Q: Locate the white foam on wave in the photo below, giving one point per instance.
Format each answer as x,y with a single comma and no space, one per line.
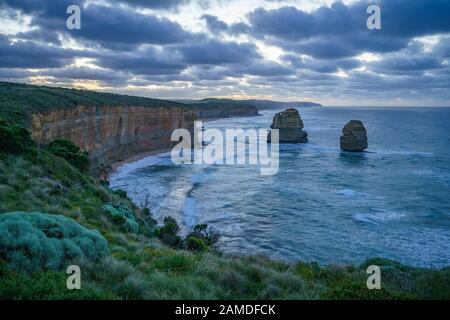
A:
404,153
189,212
356,194
378,216
351,193
127,168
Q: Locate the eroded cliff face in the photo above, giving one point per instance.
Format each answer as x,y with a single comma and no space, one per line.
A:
113,134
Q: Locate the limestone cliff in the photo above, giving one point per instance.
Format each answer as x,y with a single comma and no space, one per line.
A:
112,134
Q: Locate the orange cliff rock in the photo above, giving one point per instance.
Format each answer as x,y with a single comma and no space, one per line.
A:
112,134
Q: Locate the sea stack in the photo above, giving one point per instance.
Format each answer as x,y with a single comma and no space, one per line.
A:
290,125
354,137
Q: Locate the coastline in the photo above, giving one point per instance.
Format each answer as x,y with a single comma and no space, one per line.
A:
137,157
142,155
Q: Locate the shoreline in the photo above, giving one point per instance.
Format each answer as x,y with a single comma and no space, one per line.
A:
137,157
142,155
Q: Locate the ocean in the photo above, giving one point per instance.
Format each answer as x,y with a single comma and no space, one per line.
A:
324,205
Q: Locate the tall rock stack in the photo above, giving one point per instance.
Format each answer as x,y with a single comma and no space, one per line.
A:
290,125
354,137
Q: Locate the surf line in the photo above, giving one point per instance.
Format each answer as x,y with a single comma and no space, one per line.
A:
211,146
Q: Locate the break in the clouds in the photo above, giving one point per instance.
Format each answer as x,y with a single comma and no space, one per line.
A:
283,50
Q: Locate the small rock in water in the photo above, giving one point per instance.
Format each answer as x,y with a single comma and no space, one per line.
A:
290,125
354,137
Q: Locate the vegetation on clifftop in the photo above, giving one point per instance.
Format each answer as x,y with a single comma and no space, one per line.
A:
19,101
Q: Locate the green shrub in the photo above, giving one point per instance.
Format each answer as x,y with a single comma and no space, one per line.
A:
357,290
168,232
174,263
383,262
123,216
68,150
147,213
193,243
13,138
202,238
36,241
121,193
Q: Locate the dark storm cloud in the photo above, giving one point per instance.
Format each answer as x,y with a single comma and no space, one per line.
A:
340,30
114,27
152,4
72,72
401,18
212,51
214,24
322,66
148,61
41,36
405,64
217,26
376,83
172,60
26,54
265,69
442,48
49,9
11,74
337,48
111,27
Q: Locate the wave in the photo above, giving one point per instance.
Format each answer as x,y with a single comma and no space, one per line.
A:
189,212
127,168
351,193
378,216
404,153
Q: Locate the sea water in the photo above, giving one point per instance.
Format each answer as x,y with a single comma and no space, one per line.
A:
324,205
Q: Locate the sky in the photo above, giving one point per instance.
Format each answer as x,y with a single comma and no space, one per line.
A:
284,50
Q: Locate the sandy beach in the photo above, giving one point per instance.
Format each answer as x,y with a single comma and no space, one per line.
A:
138,157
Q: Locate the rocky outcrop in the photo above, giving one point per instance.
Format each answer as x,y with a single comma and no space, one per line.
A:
290,126
354,137
113,134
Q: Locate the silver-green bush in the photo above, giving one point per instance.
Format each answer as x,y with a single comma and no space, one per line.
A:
36,241
123,216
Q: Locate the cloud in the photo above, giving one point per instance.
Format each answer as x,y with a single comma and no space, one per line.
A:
153,4
115,27
217,52
86,73
217,26
108,26
340,30
26,54
402,64
321,66
442,48
147,61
